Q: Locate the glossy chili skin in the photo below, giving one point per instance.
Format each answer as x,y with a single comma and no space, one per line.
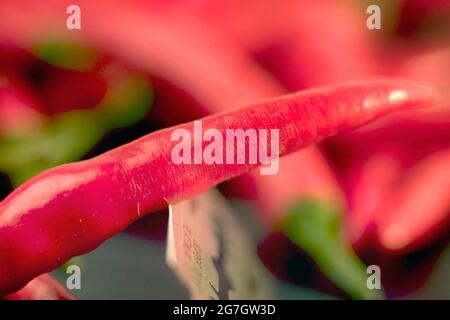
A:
71,209
234,79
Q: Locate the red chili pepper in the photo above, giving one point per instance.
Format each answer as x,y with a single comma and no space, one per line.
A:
428,63
372,167
57,90
71,209
287,39
369,183
66,90
281,45
18,111
226,65
418,209
43,287
205,52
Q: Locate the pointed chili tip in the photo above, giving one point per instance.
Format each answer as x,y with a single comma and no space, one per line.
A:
398,93
381,96
417,95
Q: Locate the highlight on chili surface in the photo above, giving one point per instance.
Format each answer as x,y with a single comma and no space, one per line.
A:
224,150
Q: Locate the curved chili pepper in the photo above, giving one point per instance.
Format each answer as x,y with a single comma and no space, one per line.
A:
279,41
66,136
59,90
373,166
18,113
153,52
428,64
224,90
43,287
420,207
71,209
370,184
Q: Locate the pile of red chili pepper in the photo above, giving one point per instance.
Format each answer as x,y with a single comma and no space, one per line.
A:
363,116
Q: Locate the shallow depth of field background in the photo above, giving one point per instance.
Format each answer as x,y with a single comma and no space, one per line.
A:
137,66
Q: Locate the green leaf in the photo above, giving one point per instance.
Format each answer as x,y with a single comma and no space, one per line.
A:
315,227
68,136
66,54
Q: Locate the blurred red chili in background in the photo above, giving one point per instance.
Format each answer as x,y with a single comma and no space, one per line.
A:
41,288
